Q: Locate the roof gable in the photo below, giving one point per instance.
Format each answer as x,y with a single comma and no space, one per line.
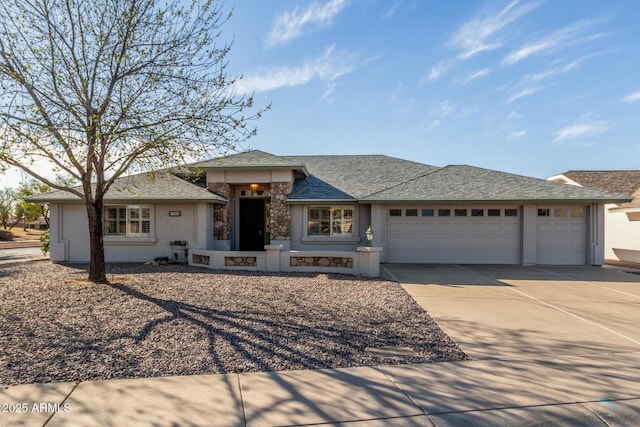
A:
249,160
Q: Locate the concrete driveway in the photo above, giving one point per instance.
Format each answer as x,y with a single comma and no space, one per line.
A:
503,312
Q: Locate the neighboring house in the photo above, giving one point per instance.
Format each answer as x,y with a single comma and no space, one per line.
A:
266,212
621,220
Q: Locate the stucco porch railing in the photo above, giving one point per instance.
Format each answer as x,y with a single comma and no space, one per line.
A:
364,262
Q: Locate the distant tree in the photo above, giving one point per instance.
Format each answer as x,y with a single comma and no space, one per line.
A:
29,211
100,88
7,204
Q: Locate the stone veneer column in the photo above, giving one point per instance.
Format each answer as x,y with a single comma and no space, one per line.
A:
280,211
221,213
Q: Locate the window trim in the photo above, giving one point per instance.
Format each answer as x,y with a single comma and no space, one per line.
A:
128,236
354,237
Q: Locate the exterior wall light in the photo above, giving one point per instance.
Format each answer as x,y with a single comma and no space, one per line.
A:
369,234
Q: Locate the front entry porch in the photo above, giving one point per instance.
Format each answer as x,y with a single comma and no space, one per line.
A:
364,262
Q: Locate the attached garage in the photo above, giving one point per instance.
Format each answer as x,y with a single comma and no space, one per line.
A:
562,235
454,235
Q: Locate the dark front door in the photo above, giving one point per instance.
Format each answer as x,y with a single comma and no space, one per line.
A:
252,222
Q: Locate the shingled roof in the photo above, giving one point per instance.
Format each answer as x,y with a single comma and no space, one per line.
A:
254,159
617,181
461,183
384,179
622,182
146,187
352,176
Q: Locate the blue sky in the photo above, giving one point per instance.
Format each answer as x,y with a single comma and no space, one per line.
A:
529,87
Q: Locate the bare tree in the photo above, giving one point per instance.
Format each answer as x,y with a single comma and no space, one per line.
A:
99,88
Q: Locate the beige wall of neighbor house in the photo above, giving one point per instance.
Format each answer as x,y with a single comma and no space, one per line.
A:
622,238
191,222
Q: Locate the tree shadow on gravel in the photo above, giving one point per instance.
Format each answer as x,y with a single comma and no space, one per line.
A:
263,344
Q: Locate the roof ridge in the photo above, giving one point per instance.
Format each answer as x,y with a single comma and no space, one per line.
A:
436,169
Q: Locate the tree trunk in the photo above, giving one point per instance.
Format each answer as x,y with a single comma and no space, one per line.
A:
97,272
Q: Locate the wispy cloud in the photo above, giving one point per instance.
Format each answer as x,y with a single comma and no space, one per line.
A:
479,35
391,10
327,95
522,93
561,39
477,75
632,97
518,134
437,71
292,24
551,72
582,129
327,67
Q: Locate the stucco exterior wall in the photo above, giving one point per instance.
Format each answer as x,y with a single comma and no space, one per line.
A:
622,235
70,236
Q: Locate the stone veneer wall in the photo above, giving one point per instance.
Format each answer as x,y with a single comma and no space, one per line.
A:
240,261
280,211
221,220
320,261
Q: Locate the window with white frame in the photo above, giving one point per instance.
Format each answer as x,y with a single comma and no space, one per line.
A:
127,220
330,221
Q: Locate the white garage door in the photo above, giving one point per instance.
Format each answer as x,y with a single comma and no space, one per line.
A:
562,235
454,235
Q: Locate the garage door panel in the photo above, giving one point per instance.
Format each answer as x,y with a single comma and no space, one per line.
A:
395,227
428,227
562,240
411,227
444,227
464,240
460,227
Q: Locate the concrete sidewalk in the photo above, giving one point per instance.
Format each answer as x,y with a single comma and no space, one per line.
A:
575,390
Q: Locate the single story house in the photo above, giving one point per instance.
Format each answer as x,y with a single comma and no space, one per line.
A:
260,211
621,220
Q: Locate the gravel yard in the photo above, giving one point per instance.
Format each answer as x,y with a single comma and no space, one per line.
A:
179,320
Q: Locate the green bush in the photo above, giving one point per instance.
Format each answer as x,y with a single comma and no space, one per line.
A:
44,239
6,235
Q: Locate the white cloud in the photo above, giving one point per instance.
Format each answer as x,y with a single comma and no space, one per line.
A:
551,72
632,97
476,75
443,109
518,134
522,93
391,10
582,129
563,38
328,66
477,35
437,71
292,24
326,96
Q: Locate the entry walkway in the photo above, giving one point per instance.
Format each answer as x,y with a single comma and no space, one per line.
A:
576,390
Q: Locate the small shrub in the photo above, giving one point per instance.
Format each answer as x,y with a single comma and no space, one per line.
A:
44,239
6,235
